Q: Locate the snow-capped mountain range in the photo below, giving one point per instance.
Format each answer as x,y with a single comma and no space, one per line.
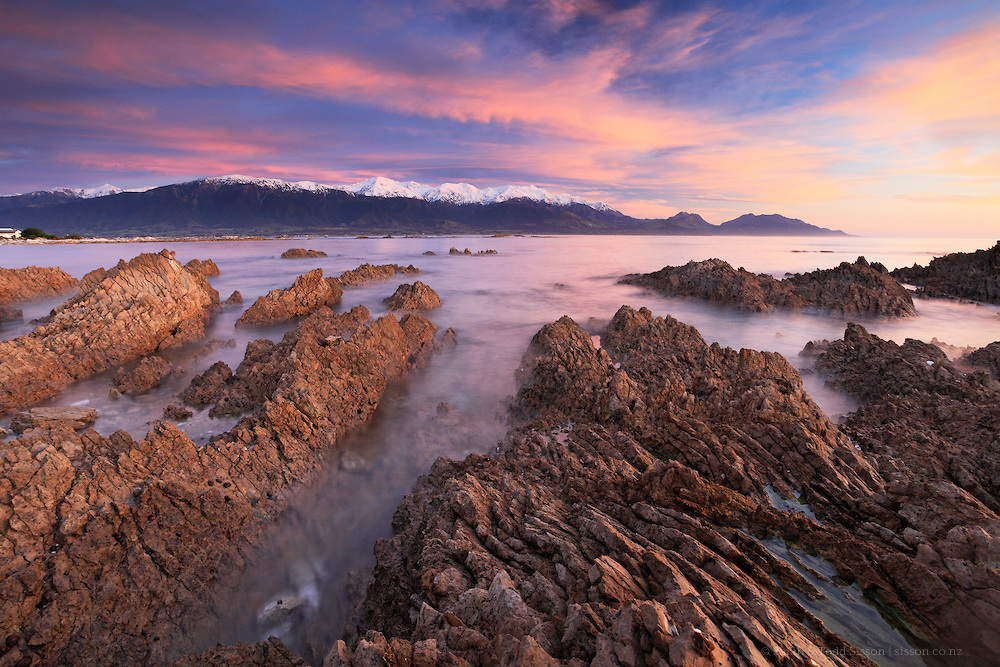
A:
453,193
379,186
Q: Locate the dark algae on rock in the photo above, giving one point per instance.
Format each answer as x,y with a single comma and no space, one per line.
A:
850,289
961,275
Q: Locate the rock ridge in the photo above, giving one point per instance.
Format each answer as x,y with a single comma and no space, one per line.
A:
857,288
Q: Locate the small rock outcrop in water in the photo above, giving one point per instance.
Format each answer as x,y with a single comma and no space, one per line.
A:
962,275
110,547
301,253
234,299
146,305
848,289
417,296
148,373
34,282
205,269
616,523
10,314
309,292
367,273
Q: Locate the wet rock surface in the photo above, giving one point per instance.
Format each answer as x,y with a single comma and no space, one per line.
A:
857,288
618,522
146,305
309,292
417,296
367,273
34,282
933,431
962,275
110,546
148,373
301,253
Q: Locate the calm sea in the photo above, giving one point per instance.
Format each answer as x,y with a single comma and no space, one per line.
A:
320,550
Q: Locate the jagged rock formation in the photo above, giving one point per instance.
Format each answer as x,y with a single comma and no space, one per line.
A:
616,523
205,269
34,282
962,275
148,373
148,304
309,292
234,299
455,251
301,253
109,547
367,273
417,296
934,433
987,358
848,289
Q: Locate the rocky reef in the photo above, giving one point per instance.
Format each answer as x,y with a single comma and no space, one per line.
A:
960,275
417,296
34,282
367,273
110,546
849,289
148,304
302,253
309,292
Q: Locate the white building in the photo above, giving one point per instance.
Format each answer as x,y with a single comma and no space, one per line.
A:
9,233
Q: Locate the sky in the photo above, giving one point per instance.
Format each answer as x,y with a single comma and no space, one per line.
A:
878,117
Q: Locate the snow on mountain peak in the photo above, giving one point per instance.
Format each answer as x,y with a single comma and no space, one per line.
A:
377,186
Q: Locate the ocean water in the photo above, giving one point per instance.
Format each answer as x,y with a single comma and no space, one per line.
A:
317,554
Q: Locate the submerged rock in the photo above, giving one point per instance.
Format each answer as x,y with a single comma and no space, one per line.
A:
148,373
301,253
34,282
146,305
110,547
309,292
417,296
10,314
848,289
962,275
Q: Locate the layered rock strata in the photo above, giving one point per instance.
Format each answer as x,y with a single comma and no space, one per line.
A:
146,305
309,292
34,282
417,296
848,289
962,275
110,547
618,524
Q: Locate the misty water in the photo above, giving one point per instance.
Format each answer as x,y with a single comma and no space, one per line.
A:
320,550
